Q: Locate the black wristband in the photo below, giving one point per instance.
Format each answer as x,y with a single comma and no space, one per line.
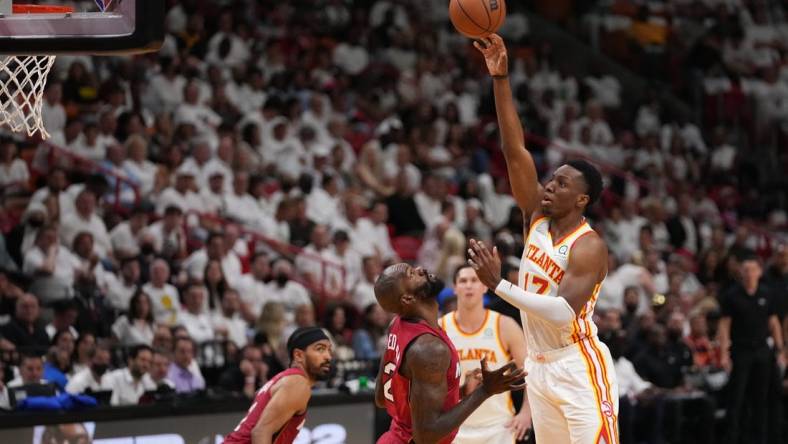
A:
505,76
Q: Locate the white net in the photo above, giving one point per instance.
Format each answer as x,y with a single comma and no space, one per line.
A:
22,82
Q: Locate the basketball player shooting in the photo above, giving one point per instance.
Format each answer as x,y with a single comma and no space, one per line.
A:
419,378
279,408
572,387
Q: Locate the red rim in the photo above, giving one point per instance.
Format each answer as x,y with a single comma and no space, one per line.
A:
41,9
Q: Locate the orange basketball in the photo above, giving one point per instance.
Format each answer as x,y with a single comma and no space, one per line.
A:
477,18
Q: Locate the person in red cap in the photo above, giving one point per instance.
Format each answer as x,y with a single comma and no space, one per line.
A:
279,408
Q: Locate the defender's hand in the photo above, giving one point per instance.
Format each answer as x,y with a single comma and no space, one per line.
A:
495,56
502,380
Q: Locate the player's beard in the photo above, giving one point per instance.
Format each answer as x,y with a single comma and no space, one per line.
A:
320,371
431,288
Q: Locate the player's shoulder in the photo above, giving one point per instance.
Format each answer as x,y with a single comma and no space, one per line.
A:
590,241
428,352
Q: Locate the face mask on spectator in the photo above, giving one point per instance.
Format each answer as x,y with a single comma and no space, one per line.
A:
147,249
36,222
282,279
99,369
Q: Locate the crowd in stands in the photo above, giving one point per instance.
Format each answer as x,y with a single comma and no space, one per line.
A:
257,174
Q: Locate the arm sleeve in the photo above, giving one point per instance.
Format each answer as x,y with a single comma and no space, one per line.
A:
554,310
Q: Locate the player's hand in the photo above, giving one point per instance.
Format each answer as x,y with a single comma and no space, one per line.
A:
520,424
494,52
473,379
503,379
487,264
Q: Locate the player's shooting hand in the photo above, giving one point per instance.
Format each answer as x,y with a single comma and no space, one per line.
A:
487,264
506,378
494,52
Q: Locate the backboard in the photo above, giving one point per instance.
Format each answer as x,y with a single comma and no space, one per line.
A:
126,26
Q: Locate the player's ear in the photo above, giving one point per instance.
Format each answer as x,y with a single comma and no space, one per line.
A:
407,298
583,200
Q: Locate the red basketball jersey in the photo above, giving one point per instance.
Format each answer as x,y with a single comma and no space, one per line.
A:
286,435
396,387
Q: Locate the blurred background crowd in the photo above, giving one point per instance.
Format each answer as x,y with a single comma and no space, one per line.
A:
198,204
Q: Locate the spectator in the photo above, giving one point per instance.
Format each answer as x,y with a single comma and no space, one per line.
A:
194,318
304,317
120,291
138,165
130,383
65,317
227,321
402,209
248,375
286,289
164,296
271,338
337,323
13,171
83,351
127,235
368,340
90,378
705,353
52,266
57,365
162,338
22,238
160,368
215,285
182,195
136,327
167,236
31,371
85,219
216,249
25,330
348,259
315,260
5,399
364,293
254,288
184,372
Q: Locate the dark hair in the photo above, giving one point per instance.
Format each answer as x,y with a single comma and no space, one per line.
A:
57,336
460,268
134,312
591,176
29,355
137,349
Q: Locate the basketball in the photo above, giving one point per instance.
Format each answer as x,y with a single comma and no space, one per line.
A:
477,18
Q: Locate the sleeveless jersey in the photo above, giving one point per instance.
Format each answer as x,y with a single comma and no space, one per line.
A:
396,387
472,347
542,269
286,435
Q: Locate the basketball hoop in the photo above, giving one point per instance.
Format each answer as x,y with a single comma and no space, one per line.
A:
23,79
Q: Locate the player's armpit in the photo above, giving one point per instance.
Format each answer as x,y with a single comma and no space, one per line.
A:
290,398
587,268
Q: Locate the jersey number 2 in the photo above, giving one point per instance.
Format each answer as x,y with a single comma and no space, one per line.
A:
388,369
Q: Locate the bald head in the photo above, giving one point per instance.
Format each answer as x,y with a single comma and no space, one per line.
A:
389,288
402,289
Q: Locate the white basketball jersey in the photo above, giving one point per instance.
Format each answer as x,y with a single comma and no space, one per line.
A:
542,268
472,347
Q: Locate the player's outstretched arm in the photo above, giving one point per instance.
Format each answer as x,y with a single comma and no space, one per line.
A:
427,361
526,189
290,398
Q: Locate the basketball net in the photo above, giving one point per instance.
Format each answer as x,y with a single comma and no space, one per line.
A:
22,82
